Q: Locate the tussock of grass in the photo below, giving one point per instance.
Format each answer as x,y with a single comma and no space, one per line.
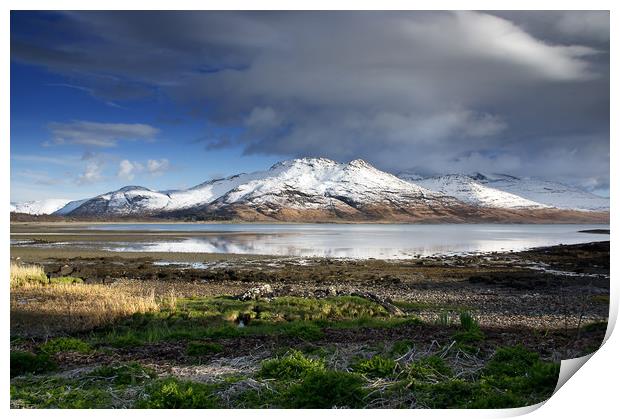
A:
43,310
28,363
65,344
469,331
292,366
326,389
26,274
377,367
171,393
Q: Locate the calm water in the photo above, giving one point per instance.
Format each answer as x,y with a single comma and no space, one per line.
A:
394,241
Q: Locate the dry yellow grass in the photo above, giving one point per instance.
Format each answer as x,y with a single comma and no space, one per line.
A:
24,274
47,310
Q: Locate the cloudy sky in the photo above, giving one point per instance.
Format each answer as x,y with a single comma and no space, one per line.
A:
100,100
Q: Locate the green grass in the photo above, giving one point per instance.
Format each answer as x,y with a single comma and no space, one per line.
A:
28,363
325,389
401,347
65,344
293,378
59,393
377,367
469,332
431,368
171,393
66,280
292,366
514,377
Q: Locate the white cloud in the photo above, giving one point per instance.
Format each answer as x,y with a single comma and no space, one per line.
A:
92,173
98,134
481,35
157,167
127,169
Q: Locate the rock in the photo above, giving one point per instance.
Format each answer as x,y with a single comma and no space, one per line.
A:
66,270
255,293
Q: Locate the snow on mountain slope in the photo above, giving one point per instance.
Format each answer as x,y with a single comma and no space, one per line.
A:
313,183
466,189
545,192
45,206
208,191
318,188
66,209
130,200
301,184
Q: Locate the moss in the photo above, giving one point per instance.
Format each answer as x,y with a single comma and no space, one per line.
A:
66,280
28,363
203,348
171,393
326,389
65,344
377,366
292,366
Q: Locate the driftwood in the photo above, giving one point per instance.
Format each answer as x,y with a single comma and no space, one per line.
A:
386,303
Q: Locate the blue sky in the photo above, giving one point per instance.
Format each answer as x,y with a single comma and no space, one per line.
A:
100,100
41,169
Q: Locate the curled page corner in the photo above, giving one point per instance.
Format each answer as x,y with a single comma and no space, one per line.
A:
568,368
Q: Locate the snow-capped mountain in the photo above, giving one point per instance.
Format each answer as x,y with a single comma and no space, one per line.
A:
466,189
302,185
545,192
511,192
43,207
318,189
70,206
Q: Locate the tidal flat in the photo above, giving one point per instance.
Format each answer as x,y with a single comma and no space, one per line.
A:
239,330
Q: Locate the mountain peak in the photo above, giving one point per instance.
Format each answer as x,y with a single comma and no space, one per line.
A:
305,161
360,163
133,188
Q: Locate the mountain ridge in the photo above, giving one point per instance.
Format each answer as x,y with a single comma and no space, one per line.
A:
320,189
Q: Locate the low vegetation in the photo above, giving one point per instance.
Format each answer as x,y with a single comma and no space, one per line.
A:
27,274
301,372
292,366
48,310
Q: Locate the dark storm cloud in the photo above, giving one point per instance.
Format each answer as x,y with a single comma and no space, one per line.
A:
519,92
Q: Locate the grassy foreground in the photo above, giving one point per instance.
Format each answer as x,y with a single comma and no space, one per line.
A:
106,347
